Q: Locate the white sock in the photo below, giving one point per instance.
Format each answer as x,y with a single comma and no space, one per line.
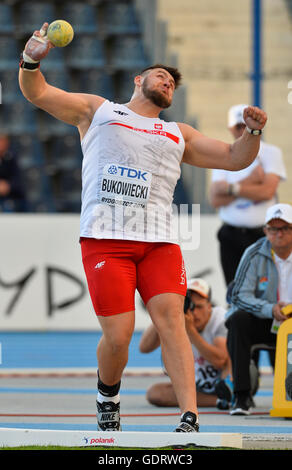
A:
101,398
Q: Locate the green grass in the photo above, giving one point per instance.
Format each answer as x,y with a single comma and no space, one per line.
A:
113,448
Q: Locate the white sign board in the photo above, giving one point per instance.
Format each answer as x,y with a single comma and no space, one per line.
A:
42,282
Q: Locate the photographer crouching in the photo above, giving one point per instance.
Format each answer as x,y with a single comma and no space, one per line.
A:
207,333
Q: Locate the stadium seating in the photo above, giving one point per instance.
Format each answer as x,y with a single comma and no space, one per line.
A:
96,82
30,152
102,59
55,60
17,118
126,86
6,19
49,126
57,77
10,52
31,15
120,18
9,86
31,160
69,201
127,53
83,17
39,190
65,153
86,53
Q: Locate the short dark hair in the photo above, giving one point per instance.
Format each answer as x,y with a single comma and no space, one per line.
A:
173,71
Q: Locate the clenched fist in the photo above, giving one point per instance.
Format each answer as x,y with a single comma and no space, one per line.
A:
254,117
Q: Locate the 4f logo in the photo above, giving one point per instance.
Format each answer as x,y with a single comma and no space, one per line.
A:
158,126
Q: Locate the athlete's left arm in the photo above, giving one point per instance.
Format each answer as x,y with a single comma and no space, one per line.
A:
206,152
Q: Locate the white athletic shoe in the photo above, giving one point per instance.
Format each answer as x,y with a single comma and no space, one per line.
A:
188,423
108,416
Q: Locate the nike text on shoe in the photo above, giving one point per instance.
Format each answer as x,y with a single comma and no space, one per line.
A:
108,416
188,423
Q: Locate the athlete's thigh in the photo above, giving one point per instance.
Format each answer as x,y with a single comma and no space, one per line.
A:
161,271
111,276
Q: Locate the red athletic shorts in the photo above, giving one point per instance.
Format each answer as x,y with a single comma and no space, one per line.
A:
116,268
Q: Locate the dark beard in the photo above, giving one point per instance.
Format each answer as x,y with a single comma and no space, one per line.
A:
155,96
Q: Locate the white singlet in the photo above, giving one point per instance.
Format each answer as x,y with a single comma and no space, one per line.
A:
130,169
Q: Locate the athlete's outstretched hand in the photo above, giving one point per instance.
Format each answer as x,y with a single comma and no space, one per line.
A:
254,117
38,46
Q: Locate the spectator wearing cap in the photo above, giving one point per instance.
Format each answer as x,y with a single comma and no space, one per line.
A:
262,287
243,197
207,333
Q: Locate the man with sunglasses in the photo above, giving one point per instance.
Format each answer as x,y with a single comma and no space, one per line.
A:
207,333
242,197
262,288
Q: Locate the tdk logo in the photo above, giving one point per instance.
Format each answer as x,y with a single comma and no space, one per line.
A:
112,170
127,172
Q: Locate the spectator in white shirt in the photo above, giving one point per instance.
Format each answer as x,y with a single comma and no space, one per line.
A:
243,197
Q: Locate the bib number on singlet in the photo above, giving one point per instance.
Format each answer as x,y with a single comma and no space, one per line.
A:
206,377
126,186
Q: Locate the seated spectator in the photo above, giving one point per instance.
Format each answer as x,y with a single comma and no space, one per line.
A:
262,287
207,333
12,196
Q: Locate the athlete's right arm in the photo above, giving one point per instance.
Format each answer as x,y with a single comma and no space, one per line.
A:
76,109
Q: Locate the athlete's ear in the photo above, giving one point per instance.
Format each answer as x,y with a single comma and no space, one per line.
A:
138,80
